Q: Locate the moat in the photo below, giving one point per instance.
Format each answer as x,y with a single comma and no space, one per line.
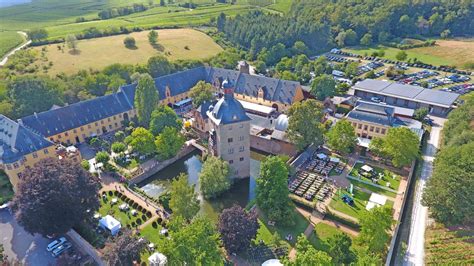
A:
240,193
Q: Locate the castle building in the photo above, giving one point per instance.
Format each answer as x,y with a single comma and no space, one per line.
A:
229,132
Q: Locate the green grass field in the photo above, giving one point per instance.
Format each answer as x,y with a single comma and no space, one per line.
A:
9,40
100,52
388,176
281,6
6,190
374,189
360,201
446,52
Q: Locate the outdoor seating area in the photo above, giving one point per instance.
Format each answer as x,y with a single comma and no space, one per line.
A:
375,175
310,186
322,164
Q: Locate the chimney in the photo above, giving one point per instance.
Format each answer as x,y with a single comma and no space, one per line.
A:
244,67
228,89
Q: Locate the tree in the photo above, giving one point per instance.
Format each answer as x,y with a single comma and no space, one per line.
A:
119,136
351,37
340,249
85,164
159,66
168,143
214,177
341,39
374,229
402,145
366,40
304,125
351,69
183,200
272,191
129,42
306,254
447,191
401,55
237,228
370,75
342,137
445,34
146,99
125,250
201,92
153,37
142,141
196,243
30,94
420,113
102,157
37,34
162,3
71,42
53,196
163,117
323,86
118,147
376,147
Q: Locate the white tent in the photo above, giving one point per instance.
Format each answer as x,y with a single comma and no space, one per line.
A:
157,259
335,160
367,168
272,262
321,156
110,223
376,200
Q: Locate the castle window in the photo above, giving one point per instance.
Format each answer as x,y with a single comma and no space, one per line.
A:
229,140
115,118
59,136
365,127
96,123
45,151
101,122
89,126
9,167
377,130
35,155
231,161
241,159
241,149
15,165
231,150
383,131
74,131
359,126
82,128
66,134
371,128
108,119
241,138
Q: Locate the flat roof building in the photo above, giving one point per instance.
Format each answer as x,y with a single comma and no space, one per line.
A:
414,97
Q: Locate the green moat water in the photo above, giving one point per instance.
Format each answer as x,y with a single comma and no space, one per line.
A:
240,193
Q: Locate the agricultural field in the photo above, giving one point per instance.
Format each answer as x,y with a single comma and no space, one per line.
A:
457,53
281,6
449,246
9,40
100,52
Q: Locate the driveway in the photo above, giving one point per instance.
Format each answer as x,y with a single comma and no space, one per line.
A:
22,246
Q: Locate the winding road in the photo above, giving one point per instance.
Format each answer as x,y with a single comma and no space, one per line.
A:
416,241
5,58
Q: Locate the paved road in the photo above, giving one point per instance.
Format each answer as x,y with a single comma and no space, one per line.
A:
416,241
20,245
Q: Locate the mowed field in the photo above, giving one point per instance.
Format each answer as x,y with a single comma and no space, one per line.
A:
9,40
100,52
446,52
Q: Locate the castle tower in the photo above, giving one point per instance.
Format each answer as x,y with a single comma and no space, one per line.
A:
229,132
243,67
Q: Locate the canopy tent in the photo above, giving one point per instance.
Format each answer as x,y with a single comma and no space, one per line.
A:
375,200
272,262
157,259
335,159
111,224
367,168
321,156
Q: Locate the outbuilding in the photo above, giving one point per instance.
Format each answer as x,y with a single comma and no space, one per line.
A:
110,224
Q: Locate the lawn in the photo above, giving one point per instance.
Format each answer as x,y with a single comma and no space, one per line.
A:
265,232
445,246
100,52
360,201
281,6
445,52
387,176
152,232
373,188
125,218
6,189
9,40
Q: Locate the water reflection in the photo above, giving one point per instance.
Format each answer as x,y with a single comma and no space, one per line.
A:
241,192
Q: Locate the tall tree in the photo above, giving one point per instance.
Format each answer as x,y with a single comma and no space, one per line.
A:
214,178
168,143
71,42
374,229
272,191
306,254
237,227
163,117
53,196
340,249
304,125
183,200
159,66
402,145
142,141
153,37
125,249
447,192
342,137
30,94
196,243
146,99
37,34
202,92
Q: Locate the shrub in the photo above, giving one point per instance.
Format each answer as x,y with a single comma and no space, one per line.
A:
154,224
133,224
115,192
111,193
129,42
159,220
139,221
143,217
148,214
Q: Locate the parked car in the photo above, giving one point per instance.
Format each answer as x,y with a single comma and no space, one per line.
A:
375,99
59,250
56,243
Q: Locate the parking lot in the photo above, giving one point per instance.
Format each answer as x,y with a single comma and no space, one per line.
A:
19,245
